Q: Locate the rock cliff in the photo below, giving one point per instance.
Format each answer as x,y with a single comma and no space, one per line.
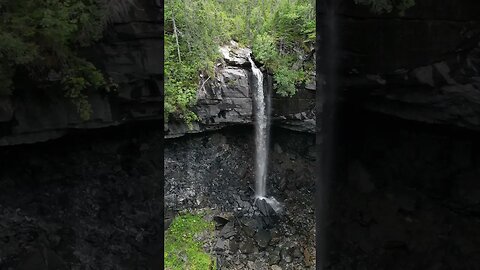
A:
227,99
130,53
424,66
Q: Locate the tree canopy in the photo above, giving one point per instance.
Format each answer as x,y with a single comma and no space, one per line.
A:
281,33
40,40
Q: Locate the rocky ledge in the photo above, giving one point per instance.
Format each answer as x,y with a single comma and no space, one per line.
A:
227,99
424,66
130,53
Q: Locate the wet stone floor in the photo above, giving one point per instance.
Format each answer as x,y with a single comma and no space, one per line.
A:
215,173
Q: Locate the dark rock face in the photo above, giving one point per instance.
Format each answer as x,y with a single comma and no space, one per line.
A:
214,171
130,53
423,67
409,198
85,201
226,100
297,112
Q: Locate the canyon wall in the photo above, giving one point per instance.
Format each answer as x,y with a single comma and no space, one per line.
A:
130,53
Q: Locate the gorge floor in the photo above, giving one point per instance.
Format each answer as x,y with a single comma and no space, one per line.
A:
214,171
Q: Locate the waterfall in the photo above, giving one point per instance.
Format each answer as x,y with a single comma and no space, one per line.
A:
261,133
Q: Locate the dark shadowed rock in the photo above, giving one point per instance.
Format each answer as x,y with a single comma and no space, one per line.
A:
220,221
263,238
359,176
264,207
42,259
233,246
247,246
129,53
422,67
228,230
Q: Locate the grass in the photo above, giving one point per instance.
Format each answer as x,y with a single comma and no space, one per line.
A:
183,251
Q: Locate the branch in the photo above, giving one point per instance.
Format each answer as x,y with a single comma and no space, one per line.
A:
203,84
176,38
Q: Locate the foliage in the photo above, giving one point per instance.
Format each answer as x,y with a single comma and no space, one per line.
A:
280,33
387,6
198,28
41,38
182,250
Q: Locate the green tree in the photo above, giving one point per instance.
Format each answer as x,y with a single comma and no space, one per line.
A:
41,38
280,32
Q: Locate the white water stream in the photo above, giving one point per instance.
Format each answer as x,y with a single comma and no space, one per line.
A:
262,134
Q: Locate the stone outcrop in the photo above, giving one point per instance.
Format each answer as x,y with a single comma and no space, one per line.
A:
226,99
130,53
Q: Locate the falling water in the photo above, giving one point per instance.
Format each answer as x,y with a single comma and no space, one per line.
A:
261,133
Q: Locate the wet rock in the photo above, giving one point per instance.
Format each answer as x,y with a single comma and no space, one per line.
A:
264,207
220,221
228,230
268,222
263,238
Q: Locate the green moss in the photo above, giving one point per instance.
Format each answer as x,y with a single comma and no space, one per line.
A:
182,250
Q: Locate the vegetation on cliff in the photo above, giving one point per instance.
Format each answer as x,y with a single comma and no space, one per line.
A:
40,40
281,34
